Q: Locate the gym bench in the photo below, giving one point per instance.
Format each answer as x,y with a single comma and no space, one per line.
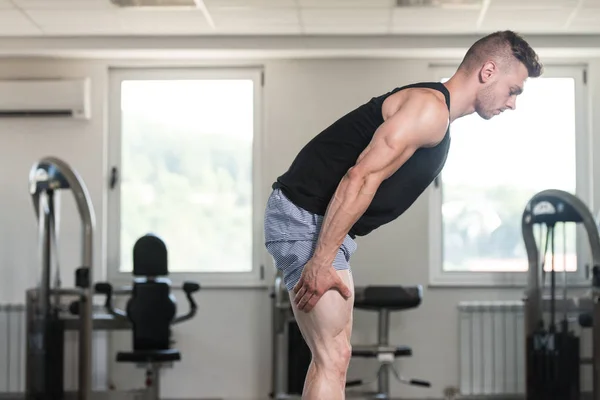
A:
384,300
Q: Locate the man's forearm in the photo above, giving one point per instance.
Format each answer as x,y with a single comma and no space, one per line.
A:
350,200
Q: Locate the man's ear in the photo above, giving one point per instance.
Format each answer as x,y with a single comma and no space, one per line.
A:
487,71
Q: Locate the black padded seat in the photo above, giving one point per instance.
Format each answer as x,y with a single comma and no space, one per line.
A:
384,300
149,356
393,298
376,351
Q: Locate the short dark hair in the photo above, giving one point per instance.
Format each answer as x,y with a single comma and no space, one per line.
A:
503,44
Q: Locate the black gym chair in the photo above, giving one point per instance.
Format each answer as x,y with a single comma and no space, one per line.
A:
384,300
151,310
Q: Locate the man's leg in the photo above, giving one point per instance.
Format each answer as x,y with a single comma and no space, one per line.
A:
327,330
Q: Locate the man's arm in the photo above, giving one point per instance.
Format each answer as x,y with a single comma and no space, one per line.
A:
421,121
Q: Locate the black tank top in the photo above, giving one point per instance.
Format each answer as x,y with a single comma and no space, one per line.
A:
314,175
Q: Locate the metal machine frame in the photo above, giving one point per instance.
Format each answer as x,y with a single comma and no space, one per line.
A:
47,177
48,310
281,315
549,207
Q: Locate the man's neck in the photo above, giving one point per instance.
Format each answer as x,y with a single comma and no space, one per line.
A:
462,97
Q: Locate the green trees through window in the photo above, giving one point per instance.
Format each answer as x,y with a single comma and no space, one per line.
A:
186,171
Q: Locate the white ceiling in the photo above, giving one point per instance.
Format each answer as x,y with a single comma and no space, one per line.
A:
294,17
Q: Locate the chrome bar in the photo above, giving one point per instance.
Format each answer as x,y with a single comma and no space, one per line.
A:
280,308
383,377
47,176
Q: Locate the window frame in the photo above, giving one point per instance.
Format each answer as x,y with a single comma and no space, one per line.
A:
256,276
584,190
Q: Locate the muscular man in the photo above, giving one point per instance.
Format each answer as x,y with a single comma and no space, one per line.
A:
363,171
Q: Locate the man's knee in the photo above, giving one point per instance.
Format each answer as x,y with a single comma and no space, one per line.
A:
345,353
334,354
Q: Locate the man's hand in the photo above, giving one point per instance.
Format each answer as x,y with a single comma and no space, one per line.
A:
315,280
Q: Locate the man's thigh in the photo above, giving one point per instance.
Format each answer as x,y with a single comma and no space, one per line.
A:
327,327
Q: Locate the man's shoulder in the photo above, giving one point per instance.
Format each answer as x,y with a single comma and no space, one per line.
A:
430,99
422,102
421,111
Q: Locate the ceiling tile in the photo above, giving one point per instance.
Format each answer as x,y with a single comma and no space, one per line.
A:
162,22
590,4
348,29
64,4
214,4
62,22
586,20
14,22
525,20
259,29
364,16
533,4
422,20
347,3
94,17
256,20
255,17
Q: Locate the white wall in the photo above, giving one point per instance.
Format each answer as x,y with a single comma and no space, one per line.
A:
226,348
24,142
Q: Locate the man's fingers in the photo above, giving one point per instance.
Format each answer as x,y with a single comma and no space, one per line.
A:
303,301
342,288
298,286
307,293
301,292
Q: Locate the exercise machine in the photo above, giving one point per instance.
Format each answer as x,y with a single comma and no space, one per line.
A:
46,322
52,309
291,355
553,351
151,311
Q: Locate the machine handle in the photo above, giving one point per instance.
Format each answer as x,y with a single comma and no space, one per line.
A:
356,382
188,288
103,288
107,289
596,276
418,382
585,320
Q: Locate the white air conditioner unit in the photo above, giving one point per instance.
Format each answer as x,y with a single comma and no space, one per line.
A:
68,98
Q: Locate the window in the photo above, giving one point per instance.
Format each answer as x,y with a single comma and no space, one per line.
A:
494,167
184,144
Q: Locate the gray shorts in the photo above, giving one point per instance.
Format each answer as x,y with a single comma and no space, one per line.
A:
291,235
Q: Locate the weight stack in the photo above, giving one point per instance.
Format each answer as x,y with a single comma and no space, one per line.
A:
45,359
553,366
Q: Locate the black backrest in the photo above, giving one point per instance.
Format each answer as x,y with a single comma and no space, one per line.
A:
150,256
151,310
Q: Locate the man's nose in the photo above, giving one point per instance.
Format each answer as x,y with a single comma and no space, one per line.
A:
512,103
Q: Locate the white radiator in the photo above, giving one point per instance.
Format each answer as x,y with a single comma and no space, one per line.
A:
12,353
492,348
